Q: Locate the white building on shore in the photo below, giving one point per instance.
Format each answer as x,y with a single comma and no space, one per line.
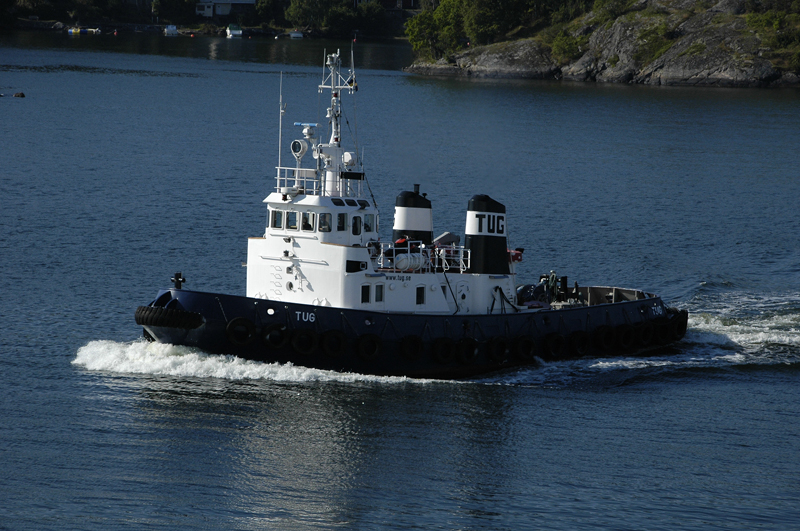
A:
223,8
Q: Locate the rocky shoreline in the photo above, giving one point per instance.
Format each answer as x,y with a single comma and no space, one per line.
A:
711,47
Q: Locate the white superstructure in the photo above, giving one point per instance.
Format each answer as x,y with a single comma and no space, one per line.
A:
321,243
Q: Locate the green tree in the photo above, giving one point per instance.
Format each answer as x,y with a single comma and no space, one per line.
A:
371,18
173,10
341,21
449,18
422,34
270,11
482,20
300,13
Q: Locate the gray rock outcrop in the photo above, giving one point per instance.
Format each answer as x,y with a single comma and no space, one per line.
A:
657,42
523,59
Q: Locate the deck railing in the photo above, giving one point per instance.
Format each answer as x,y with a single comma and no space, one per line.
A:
309,181
416,257
302,180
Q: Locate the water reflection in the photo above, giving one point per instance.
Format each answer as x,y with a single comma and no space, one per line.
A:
213,46
324,453
393,55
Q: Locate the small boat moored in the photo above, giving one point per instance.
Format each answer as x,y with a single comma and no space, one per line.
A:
324,291
84,31
233,31
294,34
170,31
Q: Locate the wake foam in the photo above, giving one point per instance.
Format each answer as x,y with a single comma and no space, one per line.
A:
749,332
726,330
160,359
765,334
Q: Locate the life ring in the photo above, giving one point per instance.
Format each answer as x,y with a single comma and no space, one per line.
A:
604,338
305,341
467,350
524,348
554,345
579,343
167,317
645,332
625,336
240,331
369,346
443,349
411,347
496,349
333,342
275,335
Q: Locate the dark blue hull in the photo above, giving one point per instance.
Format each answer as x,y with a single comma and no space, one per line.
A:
391,344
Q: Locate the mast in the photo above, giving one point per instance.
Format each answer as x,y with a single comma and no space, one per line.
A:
280,126
334,158
337,83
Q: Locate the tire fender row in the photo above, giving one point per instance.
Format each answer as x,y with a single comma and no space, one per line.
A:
499,349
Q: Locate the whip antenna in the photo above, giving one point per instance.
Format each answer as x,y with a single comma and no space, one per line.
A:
280,125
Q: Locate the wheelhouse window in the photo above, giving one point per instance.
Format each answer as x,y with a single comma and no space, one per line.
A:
365,293
420,294
291,220
341,222
325,222
378,292
369,222
308,220
356,225
277,219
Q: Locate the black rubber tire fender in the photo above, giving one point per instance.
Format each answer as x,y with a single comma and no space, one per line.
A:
467,350
554,345
680,322
663,334
305,341
167,317
369,347
604,338
411,347
497,349
443,349
579,343
524,348
275,335
645,332
626,338
240,331
333,342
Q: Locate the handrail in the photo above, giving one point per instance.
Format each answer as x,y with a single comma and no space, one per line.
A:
303,180
310,181
412,256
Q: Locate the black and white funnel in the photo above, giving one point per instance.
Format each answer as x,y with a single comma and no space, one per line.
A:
486,236
413,218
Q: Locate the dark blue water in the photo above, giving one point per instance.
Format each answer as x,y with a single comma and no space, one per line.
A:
120,168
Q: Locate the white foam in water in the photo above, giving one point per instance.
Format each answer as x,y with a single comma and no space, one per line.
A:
734,329
739,330
749,331
142,357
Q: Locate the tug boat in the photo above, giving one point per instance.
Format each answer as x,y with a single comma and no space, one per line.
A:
324,291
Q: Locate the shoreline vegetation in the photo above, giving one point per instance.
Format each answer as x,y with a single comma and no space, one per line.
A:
728,43
317,18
